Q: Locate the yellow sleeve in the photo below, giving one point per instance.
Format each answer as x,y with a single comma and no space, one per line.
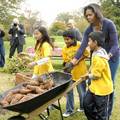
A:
97,66
86,53
36,69
64,55
47,49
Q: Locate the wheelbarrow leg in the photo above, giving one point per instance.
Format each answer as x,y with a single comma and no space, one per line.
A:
48,112
60,109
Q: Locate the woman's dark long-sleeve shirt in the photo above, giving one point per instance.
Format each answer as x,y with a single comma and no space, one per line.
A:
111,39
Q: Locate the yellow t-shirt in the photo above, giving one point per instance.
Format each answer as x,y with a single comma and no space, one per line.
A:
44,51
100,68
81,68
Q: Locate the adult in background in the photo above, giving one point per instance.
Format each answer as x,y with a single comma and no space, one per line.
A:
71,26
2,50
17,39
97,22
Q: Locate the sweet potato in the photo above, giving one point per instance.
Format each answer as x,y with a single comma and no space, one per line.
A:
27,97
49,84
39,90
29,75
16,98
42,86
52,83
15,91
4,103
32,95
25,90
40,79
32,82
8,97
32,88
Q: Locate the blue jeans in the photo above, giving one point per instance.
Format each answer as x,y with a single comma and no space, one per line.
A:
113,68
81,89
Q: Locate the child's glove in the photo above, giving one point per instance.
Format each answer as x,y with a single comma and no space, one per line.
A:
68,67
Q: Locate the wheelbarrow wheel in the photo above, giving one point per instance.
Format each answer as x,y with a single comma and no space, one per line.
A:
17,118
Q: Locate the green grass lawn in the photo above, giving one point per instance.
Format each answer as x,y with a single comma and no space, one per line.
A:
7,82
30,42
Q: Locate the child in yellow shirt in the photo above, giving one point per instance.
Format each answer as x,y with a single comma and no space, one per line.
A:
80,69
43,49
97,97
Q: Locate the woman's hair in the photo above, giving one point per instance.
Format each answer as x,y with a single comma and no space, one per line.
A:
45,37
99,37
95,9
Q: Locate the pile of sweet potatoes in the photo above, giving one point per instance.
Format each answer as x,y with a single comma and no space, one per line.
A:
26,91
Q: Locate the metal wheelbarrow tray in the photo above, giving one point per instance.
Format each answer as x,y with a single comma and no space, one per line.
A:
62,81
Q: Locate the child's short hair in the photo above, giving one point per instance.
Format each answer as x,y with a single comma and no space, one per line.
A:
97,36
69,33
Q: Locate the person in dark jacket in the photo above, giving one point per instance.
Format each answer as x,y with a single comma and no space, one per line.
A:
97,22
2,50
17,39
71,26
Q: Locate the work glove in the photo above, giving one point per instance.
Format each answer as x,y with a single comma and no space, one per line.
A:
68,67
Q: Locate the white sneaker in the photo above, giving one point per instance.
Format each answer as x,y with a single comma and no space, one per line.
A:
67,114
80,110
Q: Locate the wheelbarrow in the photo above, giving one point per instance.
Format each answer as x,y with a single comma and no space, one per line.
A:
38,104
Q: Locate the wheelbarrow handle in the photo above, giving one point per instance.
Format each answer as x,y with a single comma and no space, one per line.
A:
75,84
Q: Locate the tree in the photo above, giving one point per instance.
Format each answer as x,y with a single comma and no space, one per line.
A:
81,24
112,12
31,20
7,7
8,10
57,28
64,17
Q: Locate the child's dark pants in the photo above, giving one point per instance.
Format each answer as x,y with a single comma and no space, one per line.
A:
96,107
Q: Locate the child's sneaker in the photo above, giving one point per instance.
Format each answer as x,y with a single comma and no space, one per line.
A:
80,110
67,114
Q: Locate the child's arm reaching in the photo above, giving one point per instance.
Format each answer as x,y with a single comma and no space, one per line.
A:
69,65
39,62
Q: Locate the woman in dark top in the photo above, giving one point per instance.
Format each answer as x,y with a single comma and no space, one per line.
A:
97,22
2,51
